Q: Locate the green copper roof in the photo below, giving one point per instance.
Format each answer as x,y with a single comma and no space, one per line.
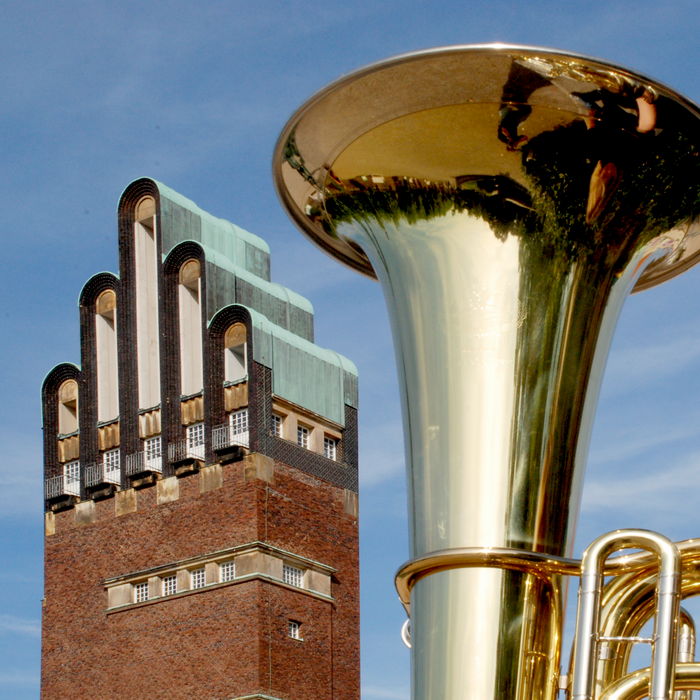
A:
320,380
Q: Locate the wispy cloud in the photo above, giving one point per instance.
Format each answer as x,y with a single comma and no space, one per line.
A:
628,369
659,491
641,438
20,625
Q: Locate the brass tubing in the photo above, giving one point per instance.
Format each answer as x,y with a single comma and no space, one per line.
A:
590,594
641,566
686,638
686,647
628,604
635,686
543,566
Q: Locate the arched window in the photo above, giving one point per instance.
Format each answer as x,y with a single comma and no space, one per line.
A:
189,292
68,407
148,350
106,336
236,361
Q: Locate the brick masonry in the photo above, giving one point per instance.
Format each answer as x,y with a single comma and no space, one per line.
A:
222,643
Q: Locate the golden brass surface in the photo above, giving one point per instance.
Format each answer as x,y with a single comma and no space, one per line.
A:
628,604
635,686
507,199
664,641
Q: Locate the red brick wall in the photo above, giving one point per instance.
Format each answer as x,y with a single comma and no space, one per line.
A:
213,644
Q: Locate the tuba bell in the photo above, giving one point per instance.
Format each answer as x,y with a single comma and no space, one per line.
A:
508,200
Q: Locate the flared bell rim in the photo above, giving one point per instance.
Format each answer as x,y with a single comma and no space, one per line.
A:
348,254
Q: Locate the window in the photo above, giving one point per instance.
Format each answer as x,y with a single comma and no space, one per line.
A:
303,436
71,478
292,576
199,578
111,461
147,336
329,448
112,472
190,328
152,453
294,630
195,441
235,359
68,407
141,592
227,571
106,342
170,585
277,425
239,422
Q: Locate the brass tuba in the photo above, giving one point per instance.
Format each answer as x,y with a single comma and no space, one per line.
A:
508,200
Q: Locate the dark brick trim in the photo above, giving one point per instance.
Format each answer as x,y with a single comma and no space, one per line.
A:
49,397
171,423
343,474
215,379
89,452
126,327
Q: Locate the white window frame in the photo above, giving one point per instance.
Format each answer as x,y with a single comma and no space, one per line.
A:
227,571
71,478
293,575
141,592
294,630
303,436
112,466
153,453
330,447
169,584
277,425
198,578
238,427
195,441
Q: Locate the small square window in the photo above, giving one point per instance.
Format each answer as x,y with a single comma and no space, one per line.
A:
303,436
199,579
141,592
276,426
294,629
330,448
227,571
170,585
292,575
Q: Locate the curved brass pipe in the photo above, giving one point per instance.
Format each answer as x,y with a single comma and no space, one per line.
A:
628,604
537,563
686,647
588,637
635,686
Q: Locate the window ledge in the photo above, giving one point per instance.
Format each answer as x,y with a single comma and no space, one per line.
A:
215,586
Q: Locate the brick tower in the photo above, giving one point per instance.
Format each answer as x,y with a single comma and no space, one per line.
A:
200,478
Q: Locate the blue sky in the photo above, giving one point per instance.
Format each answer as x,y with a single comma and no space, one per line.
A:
96,94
